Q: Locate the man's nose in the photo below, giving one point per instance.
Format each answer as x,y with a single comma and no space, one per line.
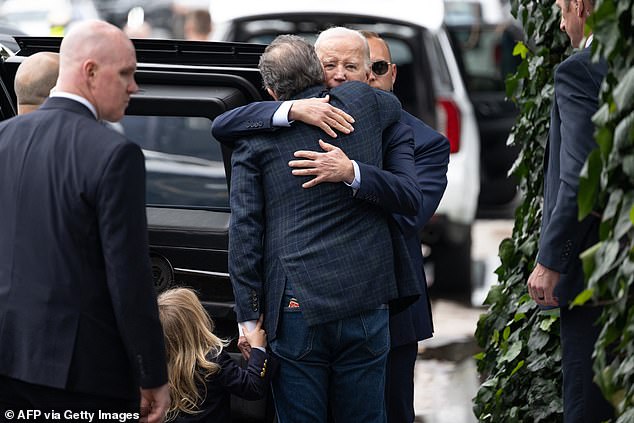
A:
133,87
340,73
562,25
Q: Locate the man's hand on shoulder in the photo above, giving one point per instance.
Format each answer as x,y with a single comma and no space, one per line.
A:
331,166
318,112
155,403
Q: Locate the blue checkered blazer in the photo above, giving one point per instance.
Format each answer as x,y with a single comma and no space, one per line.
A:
333,249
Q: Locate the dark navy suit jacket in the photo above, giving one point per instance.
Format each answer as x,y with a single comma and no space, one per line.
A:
77,306
431,156
334,250
570,141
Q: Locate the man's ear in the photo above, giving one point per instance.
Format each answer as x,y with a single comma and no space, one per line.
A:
89,69
271,93
580,8
367,75
393,74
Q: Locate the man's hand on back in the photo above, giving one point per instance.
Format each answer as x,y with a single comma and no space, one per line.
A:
318,112
331,166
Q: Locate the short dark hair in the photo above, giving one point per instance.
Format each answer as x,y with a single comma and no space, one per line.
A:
289,65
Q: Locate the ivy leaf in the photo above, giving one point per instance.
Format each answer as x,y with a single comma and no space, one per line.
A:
605,256
589,183
519,366
613,204
583,297
628,167
547,323
506,333
520,49
511,354
632,215
624,132
624,91
622,225
588,259
538,339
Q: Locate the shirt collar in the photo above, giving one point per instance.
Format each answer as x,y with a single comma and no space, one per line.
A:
76,98
589,40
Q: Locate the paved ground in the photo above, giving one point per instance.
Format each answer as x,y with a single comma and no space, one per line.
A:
446,379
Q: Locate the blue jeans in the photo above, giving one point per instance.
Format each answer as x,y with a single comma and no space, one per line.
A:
338,365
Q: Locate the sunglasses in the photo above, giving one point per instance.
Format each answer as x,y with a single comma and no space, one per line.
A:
380,67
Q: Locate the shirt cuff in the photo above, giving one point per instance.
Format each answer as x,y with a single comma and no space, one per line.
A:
260,348
280,117
356,183
250,324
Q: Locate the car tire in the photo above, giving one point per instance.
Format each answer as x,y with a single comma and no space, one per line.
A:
453,265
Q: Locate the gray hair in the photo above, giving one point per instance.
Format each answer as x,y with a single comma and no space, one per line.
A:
343,32
289,65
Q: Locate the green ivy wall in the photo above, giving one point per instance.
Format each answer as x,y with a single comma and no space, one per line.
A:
521,359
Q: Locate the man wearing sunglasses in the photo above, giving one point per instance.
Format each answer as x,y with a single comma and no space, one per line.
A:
431,156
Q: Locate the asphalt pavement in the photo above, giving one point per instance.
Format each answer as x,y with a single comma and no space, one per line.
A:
446,379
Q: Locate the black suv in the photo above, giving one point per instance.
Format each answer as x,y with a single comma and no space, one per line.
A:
183,87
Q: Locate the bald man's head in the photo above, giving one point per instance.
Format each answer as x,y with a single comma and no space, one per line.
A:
97,62
35,78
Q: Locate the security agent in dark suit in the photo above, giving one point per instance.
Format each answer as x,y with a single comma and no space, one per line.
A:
558,276
79,324
300,256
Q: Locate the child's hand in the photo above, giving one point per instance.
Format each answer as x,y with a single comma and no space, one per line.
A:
256,337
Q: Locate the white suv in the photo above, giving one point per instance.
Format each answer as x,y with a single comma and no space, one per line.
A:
429,86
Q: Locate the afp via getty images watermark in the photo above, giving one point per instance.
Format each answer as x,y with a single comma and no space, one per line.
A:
34,415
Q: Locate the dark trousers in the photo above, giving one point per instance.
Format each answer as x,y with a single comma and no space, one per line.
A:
399,386
37,403
583,401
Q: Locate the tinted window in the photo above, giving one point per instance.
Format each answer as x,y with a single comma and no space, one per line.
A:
183,161
486,53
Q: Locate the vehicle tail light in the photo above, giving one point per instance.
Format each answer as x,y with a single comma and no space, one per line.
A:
449,121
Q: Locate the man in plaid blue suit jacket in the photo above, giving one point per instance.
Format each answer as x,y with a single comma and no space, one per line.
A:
316,262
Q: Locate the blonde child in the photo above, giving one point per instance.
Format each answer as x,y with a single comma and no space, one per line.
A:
202,375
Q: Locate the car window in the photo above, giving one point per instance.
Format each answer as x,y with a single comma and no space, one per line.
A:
183,161
440,70
486,53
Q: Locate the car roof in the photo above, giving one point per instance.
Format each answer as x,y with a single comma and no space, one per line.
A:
427,13
470,12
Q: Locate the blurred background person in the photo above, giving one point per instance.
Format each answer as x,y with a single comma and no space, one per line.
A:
136,26
35,78
197,25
